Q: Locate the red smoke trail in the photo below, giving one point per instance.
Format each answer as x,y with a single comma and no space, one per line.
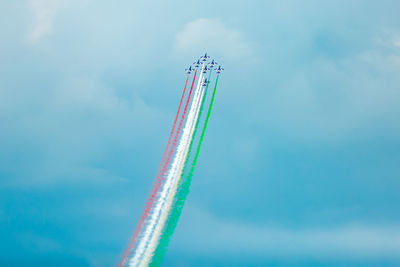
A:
161,170
172,130
179,128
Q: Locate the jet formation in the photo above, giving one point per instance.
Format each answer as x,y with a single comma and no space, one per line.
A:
168,195
208,66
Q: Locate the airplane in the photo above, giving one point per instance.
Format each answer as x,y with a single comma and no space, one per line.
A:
205,82
212,63
189,70
219,70
205,57
205,69
197,63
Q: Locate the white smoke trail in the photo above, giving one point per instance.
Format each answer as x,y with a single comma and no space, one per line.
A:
178,160
175,181
154,216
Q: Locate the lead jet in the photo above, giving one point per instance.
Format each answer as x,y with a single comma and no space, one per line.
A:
197,63
189,70
219,69
205,57
212,63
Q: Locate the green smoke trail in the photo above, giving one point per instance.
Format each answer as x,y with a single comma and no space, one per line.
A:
183,188
195,129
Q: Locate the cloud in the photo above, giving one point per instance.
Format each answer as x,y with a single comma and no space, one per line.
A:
44,12
79,122
354,240
37,242
213,36
327,98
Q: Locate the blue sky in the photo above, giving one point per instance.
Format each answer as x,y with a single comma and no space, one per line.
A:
301,161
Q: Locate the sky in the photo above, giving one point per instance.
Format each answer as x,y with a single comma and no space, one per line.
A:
300,165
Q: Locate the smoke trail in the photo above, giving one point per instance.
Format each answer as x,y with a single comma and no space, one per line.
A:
197,124
181,195
182,150
160,173
164,194
169,202
153,218
179,128
172,130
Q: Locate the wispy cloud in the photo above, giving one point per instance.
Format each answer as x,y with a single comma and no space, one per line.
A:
213,36
334,99
44,12
353,240
93,108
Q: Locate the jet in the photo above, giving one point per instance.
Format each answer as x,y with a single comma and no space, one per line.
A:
189,70
212,63
205,69
205,57
219,69
205,82
197,63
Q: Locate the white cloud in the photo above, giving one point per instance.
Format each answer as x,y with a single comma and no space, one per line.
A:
37,243
213,36
75,125
355,240
44,12
332,100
